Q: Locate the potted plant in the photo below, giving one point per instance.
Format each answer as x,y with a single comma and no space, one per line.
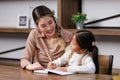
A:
79,19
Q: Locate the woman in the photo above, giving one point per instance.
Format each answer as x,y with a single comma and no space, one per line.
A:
48,40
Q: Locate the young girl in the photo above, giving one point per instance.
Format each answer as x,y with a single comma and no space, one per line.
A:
81,56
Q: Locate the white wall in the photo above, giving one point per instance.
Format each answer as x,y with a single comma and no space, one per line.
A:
98,9
106,44
10,41
10,9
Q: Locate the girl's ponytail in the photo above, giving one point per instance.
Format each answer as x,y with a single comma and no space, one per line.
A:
95,58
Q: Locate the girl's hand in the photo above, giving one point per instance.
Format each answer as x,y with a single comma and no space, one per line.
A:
51,65
34,66
62,69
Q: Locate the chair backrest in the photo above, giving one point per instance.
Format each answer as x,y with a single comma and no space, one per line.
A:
105,64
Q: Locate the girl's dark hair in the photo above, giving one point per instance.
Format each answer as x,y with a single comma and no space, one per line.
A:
85,40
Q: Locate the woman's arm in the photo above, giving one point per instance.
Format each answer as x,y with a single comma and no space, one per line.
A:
29,52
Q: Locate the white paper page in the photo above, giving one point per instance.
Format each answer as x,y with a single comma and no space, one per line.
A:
59,72
41,71
53,72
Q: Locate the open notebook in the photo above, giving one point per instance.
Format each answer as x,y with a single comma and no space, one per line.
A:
52,71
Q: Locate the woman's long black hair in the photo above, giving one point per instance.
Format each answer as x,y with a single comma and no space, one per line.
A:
85,40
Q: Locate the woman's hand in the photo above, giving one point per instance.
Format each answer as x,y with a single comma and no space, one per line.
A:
51,65
62,69
34,66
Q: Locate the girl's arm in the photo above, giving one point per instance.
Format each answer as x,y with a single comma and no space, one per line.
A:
87,67
64,58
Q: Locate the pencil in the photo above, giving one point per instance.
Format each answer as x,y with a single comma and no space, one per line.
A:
48,55
46,50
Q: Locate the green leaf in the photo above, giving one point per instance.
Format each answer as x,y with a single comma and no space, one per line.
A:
78,17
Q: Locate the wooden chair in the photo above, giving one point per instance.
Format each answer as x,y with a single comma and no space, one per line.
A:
105,64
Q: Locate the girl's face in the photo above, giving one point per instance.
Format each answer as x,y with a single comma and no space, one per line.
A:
75,47
47,26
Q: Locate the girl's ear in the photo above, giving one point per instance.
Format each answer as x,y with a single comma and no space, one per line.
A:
83,50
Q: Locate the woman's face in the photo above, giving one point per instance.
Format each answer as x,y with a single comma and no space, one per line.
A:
47,26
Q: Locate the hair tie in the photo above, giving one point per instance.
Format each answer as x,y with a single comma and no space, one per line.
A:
94,43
